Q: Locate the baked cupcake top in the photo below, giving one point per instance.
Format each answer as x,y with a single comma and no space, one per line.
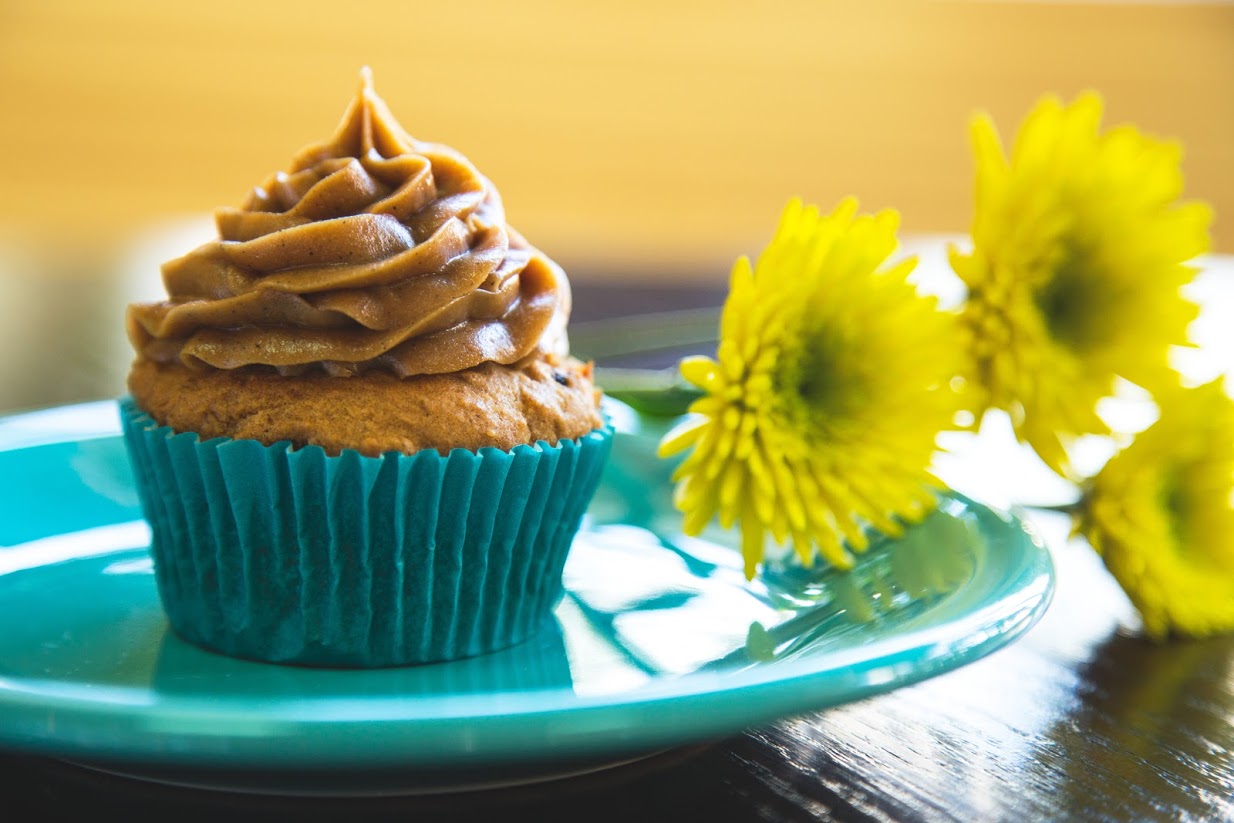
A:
373,251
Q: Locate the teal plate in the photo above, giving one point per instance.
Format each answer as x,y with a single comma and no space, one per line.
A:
659,643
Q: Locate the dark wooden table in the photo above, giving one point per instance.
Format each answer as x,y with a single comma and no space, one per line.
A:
1081,719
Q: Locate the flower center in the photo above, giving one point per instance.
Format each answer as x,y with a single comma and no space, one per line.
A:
822,384
1178,508
1077,302
1199,519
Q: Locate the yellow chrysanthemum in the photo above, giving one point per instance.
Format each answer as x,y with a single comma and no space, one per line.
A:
1161,514
1079,251
831,381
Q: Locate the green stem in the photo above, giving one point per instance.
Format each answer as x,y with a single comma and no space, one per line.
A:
659,392
1070,509
650,391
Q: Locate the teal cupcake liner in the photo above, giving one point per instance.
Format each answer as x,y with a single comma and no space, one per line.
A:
293,556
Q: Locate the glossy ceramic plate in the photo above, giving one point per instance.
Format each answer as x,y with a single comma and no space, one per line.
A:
660,641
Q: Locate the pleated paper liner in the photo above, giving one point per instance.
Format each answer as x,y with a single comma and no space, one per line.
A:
293,556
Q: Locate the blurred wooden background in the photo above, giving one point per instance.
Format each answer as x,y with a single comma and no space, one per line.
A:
637,139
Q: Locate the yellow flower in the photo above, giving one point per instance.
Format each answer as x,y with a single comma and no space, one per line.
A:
1079,251
830,384
1161,514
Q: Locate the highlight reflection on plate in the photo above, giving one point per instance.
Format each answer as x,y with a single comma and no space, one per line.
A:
659,642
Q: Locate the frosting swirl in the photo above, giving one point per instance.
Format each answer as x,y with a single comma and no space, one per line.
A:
373,251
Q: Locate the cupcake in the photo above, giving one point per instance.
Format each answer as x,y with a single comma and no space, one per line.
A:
356,429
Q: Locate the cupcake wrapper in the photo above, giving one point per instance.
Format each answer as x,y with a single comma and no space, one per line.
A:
293,556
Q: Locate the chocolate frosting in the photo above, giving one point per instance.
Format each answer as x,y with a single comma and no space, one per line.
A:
374,250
